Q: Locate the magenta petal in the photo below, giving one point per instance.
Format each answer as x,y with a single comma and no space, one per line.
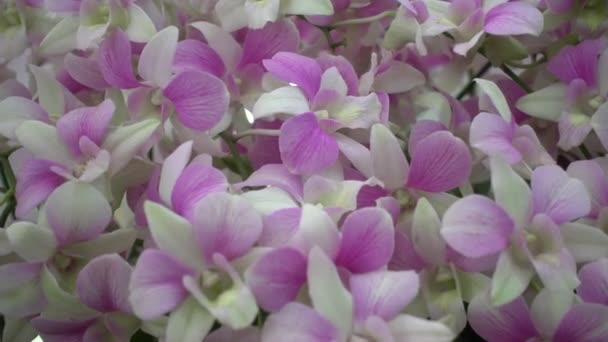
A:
35,182
594,282
114,58
195,55
293,68
200,99
103,284
90,122
557,195
85,71
507,323
440,162
367,240
577,62
560,6
15,277
61,331
280,226
492,135
405,256
421,130
276,278
305,147
476,227
280,36
383,293
156,284
196,181
226,224
514,18
584,322
299,323
345,68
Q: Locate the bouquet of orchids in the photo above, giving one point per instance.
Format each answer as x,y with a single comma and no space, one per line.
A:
303,170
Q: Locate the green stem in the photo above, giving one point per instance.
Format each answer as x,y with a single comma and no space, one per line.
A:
264,132
469,87
516,78
241,164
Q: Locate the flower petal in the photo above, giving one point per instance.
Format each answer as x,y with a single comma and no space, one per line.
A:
200,99
173,166
276,278
35,182
157,57
505,323
190,322
196,181
305,147
316,229
298,323
103,284
514,18
388,160
577,62
114,59
285,100
156,284
594,282
493,136
15,110
584,322
90,122
31,242
440,162
511,192
557,195
85,71
42,140
383,293
547,103
275,175
20,291
367,240
195,55
475,227
293,68
77,212
226,224
426,233
280,36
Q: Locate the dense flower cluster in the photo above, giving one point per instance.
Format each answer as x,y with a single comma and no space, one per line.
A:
304,170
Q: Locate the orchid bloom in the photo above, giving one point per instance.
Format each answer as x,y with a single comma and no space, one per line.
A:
578,102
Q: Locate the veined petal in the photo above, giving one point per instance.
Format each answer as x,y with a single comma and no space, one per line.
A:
140,28
577,62
35,182
439,163
200,99
276,278
514,18
114,59
275,175
497,98
505,323
172,168
157,57
90,122
475,227
77,212
196,181
511,192
103,284
356,111
221,41
398,78
195,55
20,291
549,307
156,284
584,322
285,100
85,71
383,293
585,243
126,141
305,147
367,240
511,277
493,136
293,68
280,36
594,282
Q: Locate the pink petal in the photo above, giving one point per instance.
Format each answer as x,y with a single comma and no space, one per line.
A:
196,181
195,55
405,256
114,58
280,226
305,147
560,6
226,224
594,282
157,56
35,182
593,177
298,323
514,18
85,71
492,135
345,68
156,284
12,87
439,163
421,130
200,99
584,322
475,227
103,284
557,195
275,175
90,122
225,334
297,69
61,331
507,323
383,293
276,278
280,36
367,240
17,297
577,62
